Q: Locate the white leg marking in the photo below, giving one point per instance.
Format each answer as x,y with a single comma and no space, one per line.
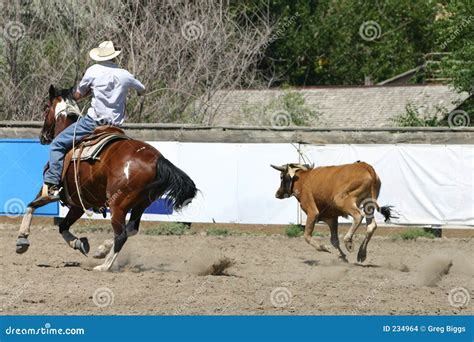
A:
26,222
109,260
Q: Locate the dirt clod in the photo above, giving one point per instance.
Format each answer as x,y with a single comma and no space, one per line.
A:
217,268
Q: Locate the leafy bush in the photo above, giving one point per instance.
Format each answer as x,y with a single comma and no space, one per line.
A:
413,118
414,233
167,228
454,34
294,104
294,230
288,109
218,232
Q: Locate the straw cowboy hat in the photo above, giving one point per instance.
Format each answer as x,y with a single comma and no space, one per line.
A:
104,52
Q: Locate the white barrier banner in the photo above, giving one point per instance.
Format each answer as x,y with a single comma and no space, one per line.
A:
427,184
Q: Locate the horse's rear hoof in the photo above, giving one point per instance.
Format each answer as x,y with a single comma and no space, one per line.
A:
22,249
132,232
343,258
22,245
104,249
349,245
82,245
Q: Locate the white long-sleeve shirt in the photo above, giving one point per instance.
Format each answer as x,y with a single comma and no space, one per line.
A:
109,84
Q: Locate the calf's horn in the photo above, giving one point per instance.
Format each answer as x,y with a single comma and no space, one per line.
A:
279,168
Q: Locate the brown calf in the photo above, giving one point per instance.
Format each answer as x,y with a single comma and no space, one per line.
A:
325,193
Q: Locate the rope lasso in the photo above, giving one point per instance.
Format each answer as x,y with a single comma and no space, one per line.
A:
74,161
175,89
76,178
305,158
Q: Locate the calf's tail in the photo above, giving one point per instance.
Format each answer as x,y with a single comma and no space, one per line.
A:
387,212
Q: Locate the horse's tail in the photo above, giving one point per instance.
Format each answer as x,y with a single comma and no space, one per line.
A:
172,182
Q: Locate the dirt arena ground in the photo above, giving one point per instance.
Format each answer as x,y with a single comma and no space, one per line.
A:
158,275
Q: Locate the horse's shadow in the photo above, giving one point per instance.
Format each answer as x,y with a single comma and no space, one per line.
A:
312,262
140,267
339,263
366,265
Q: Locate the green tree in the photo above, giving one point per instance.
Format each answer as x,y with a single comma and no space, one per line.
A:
455,30
326,44
455,36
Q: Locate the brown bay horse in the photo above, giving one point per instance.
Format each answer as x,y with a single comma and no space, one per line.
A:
129,176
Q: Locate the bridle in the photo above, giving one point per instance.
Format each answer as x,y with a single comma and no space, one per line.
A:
67,107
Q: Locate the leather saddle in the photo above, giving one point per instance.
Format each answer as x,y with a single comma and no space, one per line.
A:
90,147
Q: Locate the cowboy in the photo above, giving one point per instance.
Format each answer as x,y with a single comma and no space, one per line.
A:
109,85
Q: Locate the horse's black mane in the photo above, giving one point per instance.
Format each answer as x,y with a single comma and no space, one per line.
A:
65,93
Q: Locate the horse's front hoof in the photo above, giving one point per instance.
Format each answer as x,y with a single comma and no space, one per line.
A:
361,256
22,245
101,268
82,245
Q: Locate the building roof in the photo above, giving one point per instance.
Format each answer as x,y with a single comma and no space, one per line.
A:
338,106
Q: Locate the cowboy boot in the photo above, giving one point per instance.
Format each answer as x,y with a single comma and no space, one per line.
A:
51,191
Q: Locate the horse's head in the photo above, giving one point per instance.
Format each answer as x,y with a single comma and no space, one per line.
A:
59,112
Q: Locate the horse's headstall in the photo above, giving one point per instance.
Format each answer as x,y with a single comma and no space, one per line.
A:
67,107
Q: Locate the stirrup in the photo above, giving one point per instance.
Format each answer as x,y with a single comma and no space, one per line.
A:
51,193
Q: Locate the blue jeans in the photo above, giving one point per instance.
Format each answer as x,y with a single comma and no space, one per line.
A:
62,143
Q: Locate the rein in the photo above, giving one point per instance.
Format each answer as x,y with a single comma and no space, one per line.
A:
49,132
68,107
74,162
